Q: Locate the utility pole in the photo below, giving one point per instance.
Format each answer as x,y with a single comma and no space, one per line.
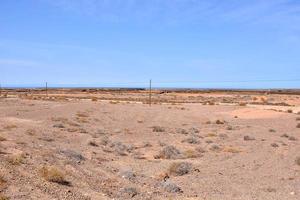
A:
150,91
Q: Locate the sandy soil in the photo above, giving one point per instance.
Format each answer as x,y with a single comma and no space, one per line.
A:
92,149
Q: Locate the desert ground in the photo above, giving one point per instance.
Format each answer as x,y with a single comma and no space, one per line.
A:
111,144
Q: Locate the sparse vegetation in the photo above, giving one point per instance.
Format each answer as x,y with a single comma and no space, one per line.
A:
297,161
2,139
17,159
52,174
248,138
191,154
93,143
2,197
169,152
191,140
231,150
30,132
220,121
180,168
10,127
158,129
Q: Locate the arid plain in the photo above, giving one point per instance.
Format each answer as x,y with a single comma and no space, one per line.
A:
111,144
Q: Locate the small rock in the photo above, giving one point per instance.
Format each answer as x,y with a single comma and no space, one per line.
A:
248,138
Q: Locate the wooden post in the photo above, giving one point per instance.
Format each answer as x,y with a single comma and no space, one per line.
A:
47,89
150,91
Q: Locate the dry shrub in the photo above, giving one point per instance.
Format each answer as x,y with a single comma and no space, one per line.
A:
94,99
298,119
242,104
180,168
191,154
297,161
211,103
2,181
220,121
114,102
2,197
231,150
10,127
82,120
52,174
290,111
81,114
59,119
298,125
93,143
169,152
16,159
211,135
30,132
191,140
158,129
2,139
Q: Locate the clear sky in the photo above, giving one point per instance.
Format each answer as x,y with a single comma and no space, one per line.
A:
177,43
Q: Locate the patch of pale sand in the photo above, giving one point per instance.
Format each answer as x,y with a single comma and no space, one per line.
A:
16,120
252,113
295,109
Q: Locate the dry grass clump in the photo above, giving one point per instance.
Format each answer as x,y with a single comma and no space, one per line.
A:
2,139
93,143
248,138
114,102
191,140
231,150
82,114
180,168
211,135
242,104
2,197
94,99
169,152
2,181
297,161
17,159
10,127
158,129
298,125
220,121
52,174
191,154
30,132
298,119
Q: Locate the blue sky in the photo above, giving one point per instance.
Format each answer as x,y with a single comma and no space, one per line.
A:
177,43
